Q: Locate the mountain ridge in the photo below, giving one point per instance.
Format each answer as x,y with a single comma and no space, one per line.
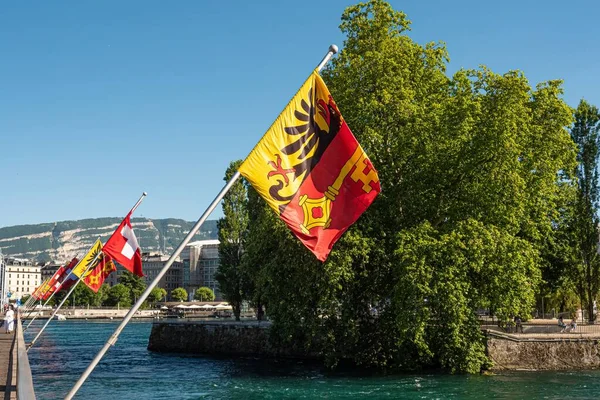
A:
62,240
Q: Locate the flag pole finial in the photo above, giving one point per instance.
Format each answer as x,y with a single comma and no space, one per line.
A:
138,202
332,50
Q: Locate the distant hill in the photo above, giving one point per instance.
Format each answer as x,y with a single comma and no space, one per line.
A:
61,241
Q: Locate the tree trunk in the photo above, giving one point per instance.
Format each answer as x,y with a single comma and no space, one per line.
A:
237,309
260,313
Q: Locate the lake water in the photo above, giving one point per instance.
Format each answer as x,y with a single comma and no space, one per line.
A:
130,371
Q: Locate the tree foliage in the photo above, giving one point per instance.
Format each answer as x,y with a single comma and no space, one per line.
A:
204,294
475,170
179,294
119,295
584,233
232,233
157,294
135,284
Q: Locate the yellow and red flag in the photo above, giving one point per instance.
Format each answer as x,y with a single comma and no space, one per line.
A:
311,170
38,290
43,289
96,277
89,261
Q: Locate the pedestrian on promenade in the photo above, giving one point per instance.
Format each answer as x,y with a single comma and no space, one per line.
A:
9,320
561,324
518,324
572,325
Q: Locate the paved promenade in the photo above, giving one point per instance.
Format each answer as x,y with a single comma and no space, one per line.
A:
8,365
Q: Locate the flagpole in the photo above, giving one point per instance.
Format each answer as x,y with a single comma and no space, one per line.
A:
63,300
49,298
138,202
29,309
144,194
113,339
25,306
28,302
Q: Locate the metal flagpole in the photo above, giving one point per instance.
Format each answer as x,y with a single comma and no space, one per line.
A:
113,339
31,306
49,298
63,301
26,308
27,303
78,281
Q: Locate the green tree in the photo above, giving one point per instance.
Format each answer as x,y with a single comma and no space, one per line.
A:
179,294
83,296
102,294
259,242
472,168
119,295
232,232
585,221
135,284
156,295
204,294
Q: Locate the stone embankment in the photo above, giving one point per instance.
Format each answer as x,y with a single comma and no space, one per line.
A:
538,350
543,352
248,338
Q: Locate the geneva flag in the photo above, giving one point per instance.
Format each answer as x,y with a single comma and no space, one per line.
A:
96,277
123,247
89,261
311,170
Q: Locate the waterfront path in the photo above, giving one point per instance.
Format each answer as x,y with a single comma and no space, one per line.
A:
8,365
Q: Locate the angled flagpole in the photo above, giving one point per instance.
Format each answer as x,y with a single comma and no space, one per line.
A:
30,306
113,339
52,295
100,253
63,301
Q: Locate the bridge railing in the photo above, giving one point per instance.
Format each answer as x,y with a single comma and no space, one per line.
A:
24,379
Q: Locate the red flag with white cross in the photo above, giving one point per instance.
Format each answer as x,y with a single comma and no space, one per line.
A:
123,247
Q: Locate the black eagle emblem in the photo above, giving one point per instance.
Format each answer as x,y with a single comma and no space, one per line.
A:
310,136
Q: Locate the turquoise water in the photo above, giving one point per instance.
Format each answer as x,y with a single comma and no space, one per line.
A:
129,371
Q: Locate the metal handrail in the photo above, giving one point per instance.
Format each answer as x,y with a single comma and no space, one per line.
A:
24,379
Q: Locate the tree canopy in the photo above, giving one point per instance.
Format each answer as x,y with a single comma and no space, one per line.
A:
475,169
179,294
204,294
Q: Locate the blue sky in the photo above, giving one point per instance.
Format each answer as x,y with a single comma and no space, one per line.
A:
102,100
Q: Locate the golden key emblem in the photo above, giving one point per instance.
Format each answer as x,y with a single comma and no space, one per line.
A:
317,211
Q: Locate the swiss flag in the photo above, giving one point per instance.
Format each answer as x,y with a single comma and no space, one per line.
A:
123,247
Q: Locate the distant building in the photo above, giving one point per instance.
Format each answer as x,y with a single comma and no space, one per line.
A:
22,277
49,269
152,264
197,266
200,263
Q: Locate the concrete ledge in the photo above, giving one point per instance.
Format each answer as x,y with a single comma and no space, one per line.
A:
250,339
551,352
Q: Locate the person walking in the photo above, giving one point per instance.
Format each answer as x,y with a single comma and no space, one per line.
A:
9,320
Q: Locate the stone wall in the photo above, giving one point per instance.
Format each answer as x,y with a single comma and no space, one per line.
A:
508,352
543,354
218,338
